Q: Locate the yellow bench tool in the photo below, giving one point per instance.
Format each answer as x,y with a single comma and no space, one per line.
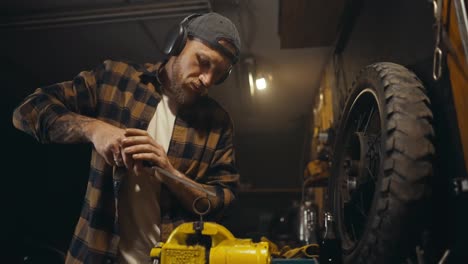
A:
207,242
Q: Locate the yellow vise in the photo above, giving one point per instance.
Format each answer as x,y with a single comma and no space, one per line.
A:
224,248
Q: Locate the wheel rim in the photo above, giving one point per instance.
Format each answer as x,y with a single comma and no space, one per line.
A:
358,167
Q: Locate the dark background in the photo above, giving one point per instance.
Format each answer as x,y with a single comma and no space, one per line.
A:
44,185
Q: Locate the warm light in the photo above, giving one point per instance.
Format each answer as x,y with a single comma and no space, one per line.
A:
251,84
261,83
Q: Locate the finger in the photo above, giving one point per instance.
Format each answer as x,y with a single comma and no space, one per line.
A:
139,168
117,155
109,158
143,148
134,140
127,159
152,158
115,148
157,175
135,132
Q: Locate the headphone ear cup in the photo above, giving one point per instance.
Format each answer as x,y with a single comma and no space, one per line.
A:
224,77
175,41
177,37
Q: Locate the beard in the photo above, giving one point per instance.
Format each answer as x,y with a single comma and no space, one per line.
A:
180,91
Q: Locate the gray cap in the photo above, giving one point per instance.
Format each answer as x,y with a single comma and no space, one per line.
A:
211,28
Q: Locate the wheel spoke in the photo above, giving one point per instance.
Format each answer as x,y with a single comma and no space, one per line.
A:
368,120
372,176
360,121
359,209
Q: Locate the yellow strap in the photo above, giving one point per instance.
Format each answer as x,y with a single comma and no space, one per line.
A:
307,251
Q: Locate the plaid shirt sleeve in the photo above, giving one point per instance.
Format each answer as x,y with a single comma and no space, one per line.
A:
40,109
222,176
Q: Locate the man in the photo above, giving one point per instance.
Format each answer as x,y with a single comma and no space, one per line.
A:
146,123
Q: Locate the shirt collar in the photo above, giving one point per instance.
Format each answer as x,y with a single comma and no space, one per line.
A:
151,74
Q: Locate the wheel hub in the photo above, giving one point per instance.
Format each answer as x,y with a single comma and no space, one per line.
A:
358,162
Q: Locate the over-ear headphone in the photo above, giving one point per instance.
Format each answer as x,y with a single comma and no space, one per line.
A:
176,39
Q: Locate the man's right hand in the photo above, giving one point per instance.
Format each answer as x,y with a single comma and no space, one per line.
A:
107,139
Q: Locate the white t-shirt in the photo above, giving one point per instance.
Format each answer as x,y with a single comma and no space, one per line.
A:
139,207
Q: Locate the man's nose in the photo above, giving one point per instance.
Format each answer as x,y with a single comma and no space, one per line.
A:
206,79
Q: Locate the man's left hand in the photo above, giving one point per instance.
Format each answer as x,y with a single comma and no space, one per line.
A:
142,147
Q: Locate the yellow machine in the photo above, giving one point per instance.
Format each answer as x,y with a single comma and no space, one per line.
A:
206,242
224,248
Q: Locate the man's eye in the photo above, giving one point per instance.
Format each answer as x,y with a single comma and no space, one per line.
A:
205,63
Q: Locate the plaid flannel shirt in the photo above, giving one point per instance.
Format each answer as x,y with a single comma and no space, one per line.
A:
126,95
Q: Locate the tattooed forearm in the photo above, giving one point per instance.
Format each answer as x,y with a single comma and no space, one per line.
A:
70,128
